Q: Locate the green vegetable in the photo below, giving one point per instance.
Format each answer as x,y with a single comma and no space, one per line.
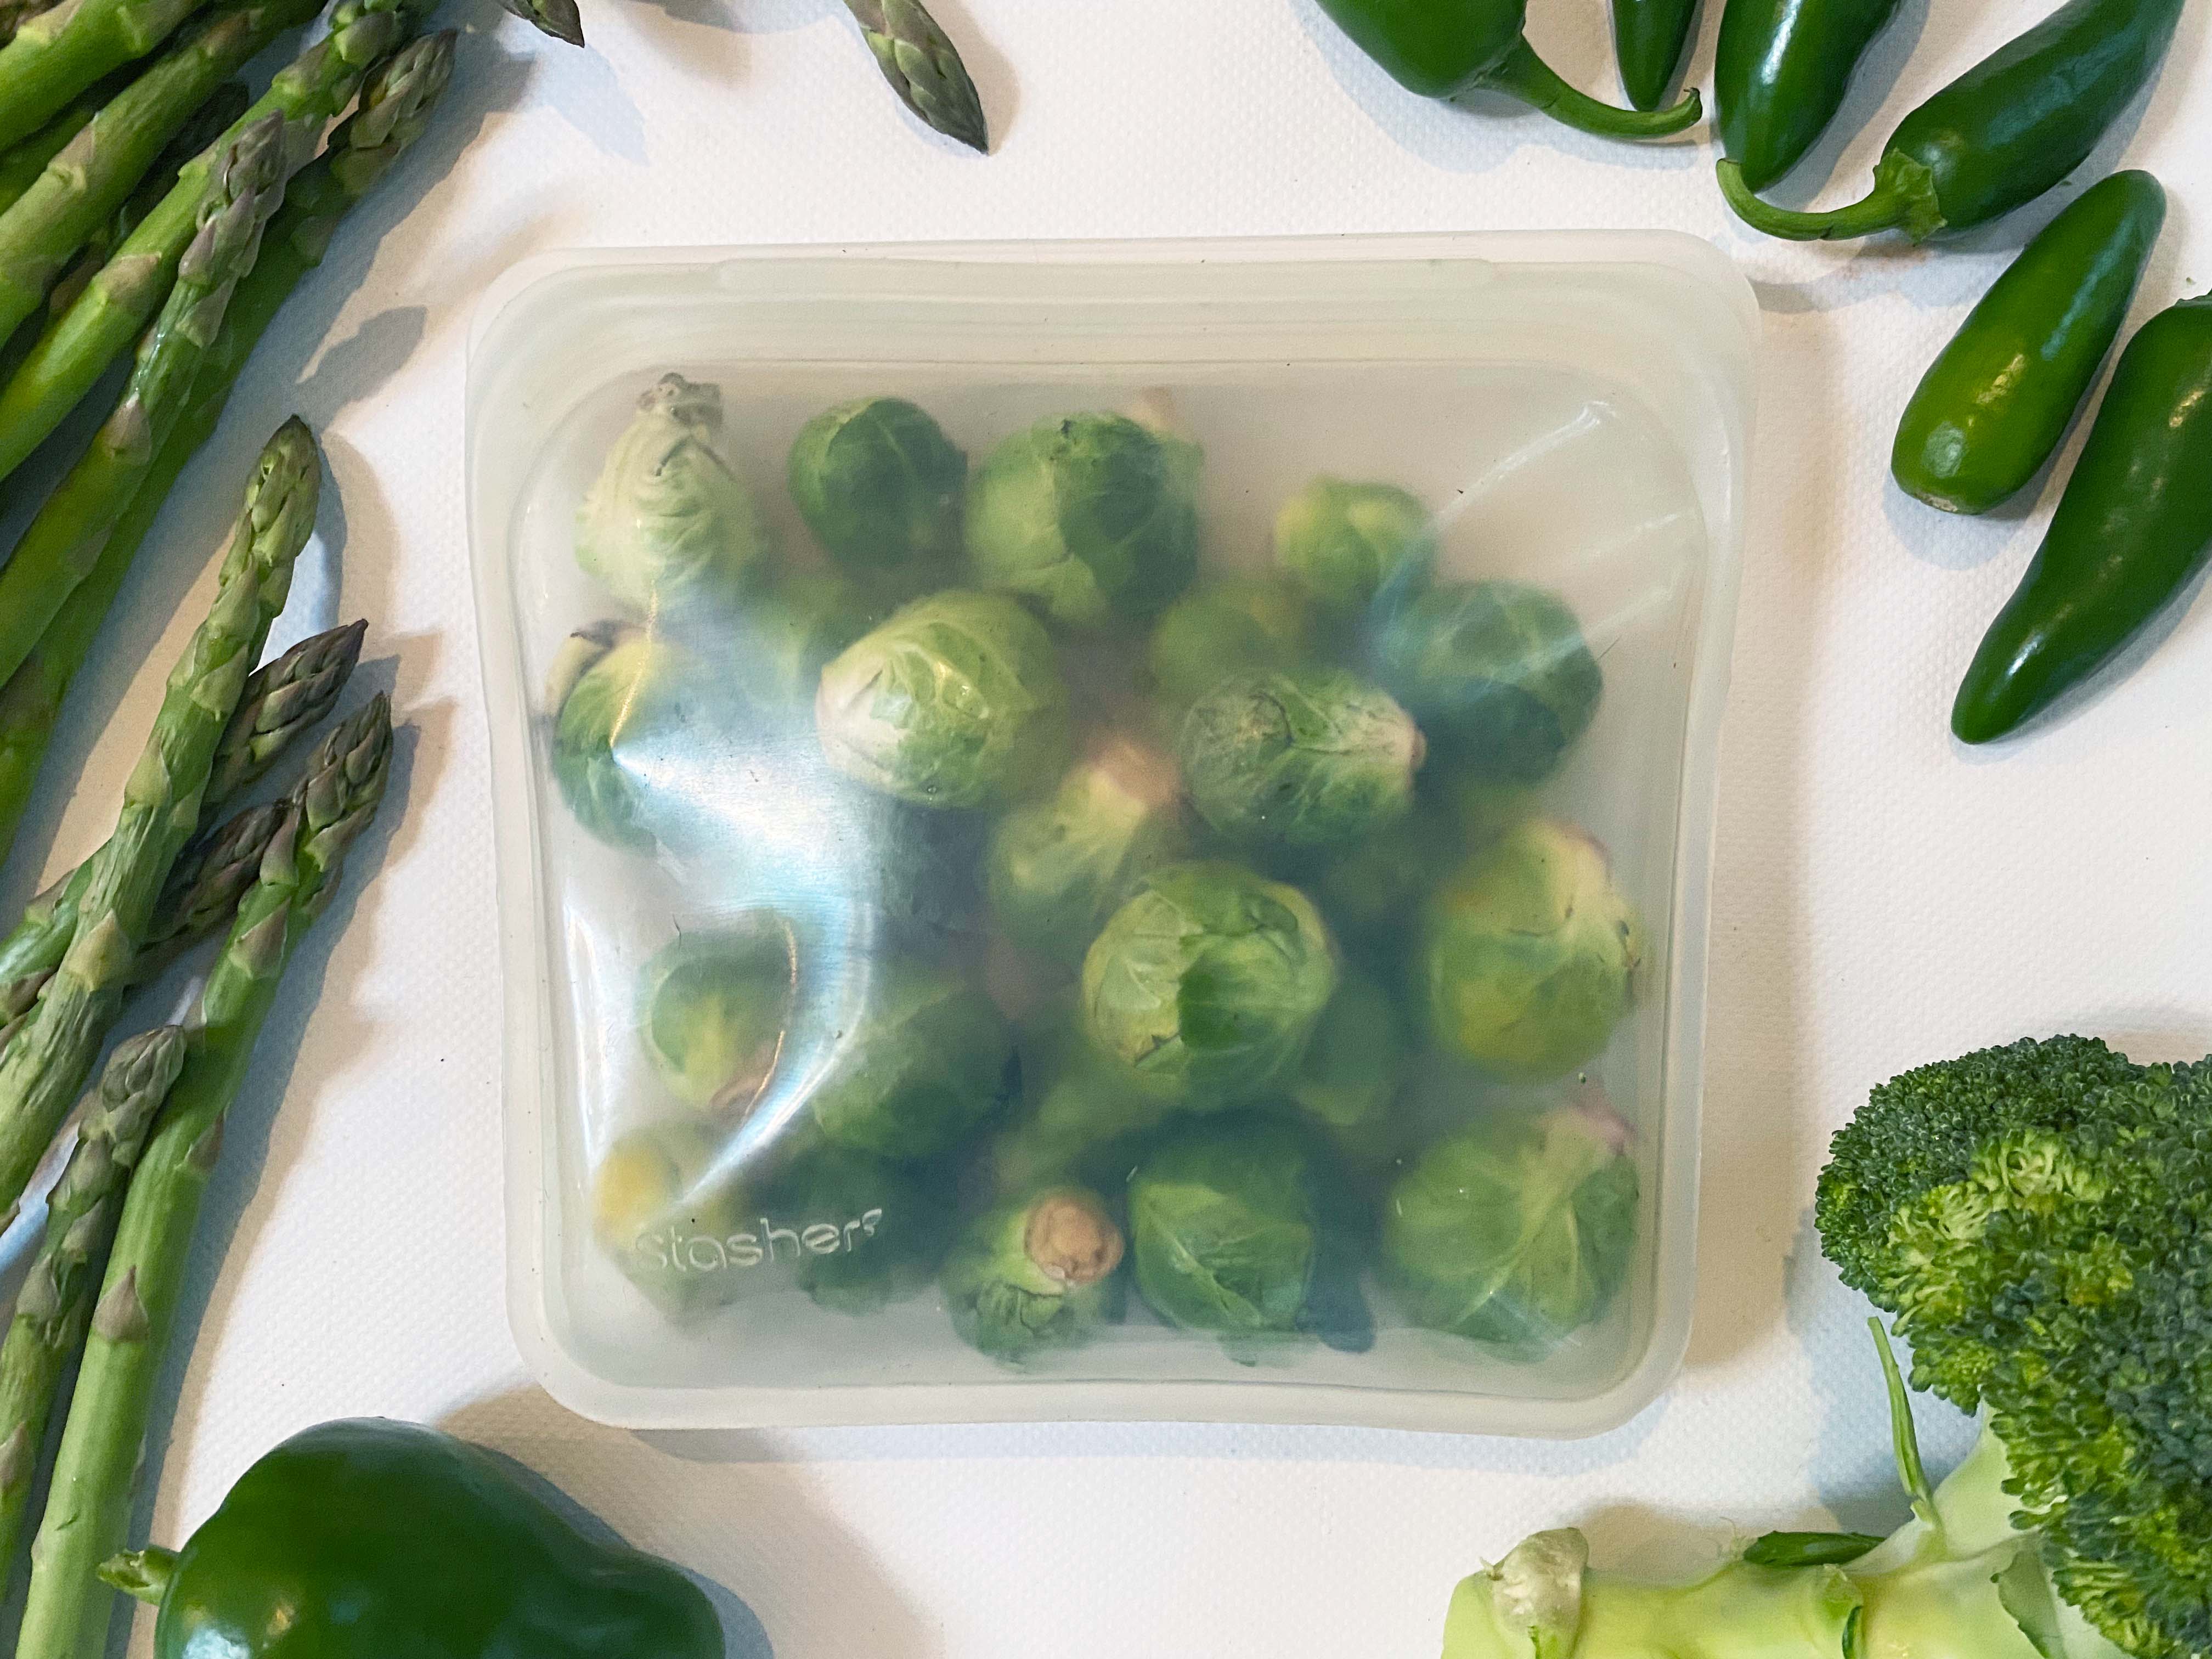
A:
557,18
1515,1232
55,1304
1237,1230
631,743
1349,1082
90,179
1317,759
22,164
781,639
46,1064
713,1009
1780,72
1033,1273
1370,889
66,1615
1442,48
1496,673
667,527
892,1227
76,349
879,484
921,1062
2035,1217
1993,406
1082,1116
1207,985
1345,542
371,1538
2000,135
955,702
1094,517
1056,868
1528,953
675,1222
923,67
58,53
2134,525
1222,628
1650,38
62,544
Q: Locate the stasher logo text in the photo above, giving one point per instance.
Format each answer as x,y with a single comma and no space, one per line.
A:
672,1250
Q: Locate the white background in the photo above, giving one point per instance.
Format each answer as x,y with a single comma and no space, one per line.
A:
1881,896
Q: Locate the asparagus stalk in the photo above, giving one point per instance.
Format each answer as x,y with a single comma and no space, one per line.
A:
21,164
58,54
558,18
56,1301
45,1063
96,171
281,700
75,351
66,1612
63,541
395,107
924,67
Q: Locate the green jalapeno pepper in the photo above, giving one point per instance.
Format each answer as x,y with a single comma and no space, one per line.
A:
1649,37
371,1540
1780,71
1440,48
2134,525
1996,402
2000,135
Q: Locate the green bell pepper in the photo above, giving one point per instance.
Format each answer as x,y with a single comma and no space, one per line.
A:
2133,526
1441,48
1780,71
375,1540
1997,401
2000,135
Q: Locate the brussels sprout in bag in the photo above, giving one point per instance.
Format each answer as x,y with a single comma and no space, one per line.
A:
921,1059
1311,760
1344,542
1081,1114
714,1009
667,527
879,484
637,732
1348,1085
1094,517
1033,1273
1517,1231
663,1211
779,640
1204,987
1236,625
890,1227
955,702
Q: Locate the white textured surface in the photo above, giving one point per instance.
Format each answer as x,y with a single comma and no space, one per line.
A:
1881,898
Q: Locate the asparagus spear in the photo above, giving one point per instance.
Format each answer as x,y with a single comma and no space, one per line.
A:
75,351
63,541
558,18
58,54
45,1063
924,67
395,107
21,164
66,1612
56,1301
94,173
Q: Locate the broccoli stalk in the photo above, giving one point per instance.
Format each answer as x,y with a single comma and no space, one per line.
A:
1959,1580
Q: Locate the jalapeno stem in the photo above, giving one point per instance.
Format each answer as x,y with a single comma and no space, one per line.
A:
1900,200
1521,74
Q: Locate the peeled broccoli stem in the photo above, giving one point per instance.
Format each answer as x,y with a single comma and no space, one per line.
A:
1958,1581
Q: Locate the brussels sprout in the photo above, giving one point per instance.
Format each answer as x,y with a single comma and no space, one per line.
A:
1517,1231
1056,868
1317,759
1237,1228
1081,1118
925,1060
667,525
781,639
1496,673
1346,541
1222,628
879,484
713,1008
633,738
1092,516
1371,889
659,1208
1529,953
1033,1273
1348,1083
956,700
864,1232
1204,987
